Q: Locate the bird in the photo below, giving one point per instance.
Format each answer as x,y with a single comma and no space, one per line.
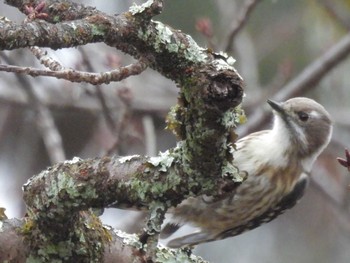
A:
277,162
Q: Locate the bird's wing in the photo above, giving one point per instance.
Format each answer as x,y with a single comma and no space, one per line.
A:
287,202
199,236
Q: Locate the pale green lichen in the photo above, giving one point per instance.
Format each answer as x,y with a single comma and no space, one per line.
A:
83,242
165,40
241,118
97,30
173,120
128,158
167,255
230,60
143,35
232,171
232,118
163,254
156,212
138,9
225,62
129,239
88,193
32,259
140,188
64,182
164,32
193,52
56,19
163,161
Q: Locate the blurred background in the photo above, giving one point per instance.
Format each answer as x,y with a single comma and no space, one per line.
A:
44,120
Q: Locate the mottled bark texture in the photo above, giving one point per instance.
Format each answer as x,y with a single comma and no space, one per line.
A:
57,226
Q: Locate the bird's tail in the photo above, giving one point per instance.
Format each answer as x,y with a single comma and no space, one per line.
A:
176,234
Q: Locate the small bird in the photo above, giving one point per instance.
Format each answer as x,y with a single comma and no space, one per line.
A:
277,163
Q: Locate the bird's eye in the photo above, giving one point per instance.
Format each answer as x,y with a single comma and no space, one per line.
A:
303,116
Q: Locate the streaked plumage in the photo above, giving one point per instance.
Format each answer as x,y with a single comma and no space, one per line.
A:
278,163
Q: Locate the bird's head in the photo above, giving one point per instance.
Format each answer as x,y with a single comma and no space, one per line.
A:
306,122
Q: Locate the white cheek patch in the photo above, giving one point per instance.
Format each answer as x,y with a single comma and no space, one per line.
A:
315,114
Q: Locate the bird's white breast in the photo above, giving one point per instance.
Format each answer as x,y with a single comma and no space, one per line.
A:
267,147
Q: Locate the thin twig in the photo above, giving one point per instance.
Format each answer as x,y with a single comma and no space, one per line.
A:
80,76
240,22
45,59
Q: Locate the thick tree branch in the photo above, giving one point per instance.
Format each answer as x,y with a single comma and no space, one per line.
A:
210,87
155,183
210,90
121,248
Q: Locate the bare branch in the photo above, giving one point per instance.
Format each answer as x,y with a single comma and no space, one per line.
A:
46,60
121,247
79,76
239,23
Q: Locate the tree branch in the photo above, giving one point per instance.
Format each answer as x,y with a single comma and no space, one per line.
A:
210,89
121,248
79,76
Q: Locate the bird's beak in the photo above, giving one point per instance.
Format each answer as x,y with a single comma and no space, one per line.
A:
276,106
